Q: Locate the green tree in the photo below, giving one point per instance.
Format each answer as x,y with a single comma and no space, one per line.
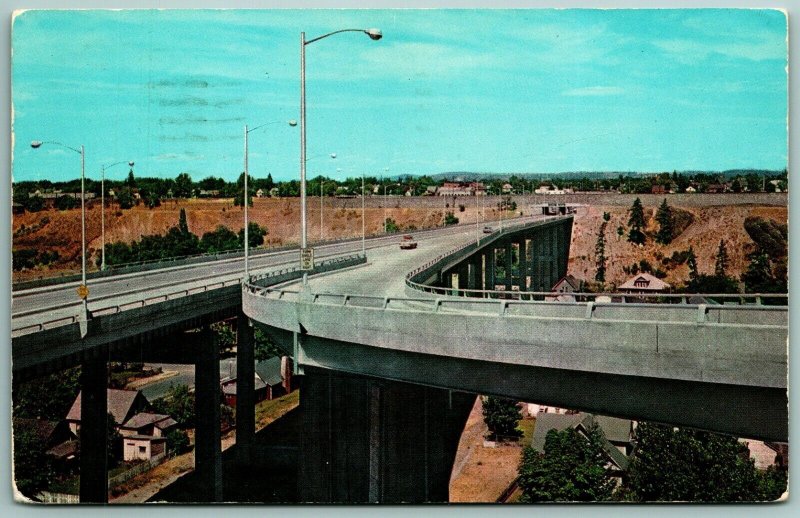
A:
600,252
636,223
501,416
219,240
450,219
694,466
114,444
225,336
571,469
33,470
177,442
620,232
691,262
179,404
125,198
183,186
48,397
391,226
666,222
183,226
255,235
265,348
130,182
66,202
721,262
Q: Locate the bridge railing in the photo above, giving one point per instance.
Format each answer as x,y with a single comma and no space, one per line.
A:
774,299
572,310
211,282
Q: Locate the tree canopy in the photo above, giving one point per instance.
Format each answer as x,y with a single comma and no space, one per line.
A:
636,223
502,416
693,466
572,468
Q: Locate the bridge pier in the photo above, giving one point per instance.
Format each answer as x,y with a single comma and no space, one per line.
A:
245,388
208,449
508,280
373,440
488,272
522,259
93,431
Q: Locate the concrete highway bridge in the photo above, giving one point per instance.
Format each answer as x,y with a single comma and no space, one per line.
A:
394,348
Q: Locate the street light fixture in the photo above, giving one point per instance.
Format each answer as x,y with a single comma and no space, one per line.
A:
83,292
245,197
103,208
374,34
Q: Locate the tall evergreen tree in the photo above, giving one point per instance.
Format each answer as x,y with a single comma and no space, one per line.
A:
183,226
131,181
600,253
691,262
666,222
721,263
636,223
501,416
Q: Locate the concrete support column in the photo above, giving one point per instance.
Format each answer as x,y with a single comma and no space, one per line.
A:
372,440
207,451
523,271
558,251
541,262
245,389
488,258
508,279
472,274
93,432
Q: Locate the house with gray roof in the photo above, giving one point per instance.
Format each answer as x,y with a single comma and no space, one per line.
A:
122,405
617,444
273,378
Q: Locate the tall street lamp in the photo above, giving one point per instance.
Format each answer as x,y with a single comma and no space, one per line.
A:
245,198
363,218
83,292
103,208
374,34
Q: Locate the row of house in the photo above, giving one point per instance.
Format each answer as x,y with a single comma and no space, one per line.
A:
619,441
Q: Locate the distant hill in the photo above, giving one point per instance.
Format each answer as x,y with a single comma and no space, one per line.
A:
467,176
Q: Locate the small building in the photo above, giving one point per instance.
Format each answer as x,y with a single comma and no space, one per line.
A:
658,189
122,405
507,188
145,423
716,188
431,190
142,447
58,440
273,193
768,454
690,189
644,283
564,286
260,193
273,378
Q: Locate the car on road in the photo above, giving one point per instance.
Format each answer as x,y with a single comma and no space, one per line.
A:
487,230
407,242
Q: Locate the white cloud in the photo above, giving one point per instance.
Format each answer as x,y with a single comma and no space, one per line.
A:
590,91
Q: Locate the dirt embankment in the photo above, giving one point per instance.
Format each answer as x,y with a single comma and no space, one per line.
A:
60,231
709,225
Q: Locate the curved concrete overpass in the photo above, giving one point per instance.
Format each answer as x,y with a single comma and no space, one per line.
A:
720,368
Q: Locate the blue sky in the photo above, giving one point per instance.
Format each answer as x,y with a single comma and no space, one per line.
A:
445,90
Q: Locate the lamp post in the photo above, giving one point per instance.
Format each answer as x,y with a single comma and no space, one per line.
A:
245,198
321,208
374,34
82,291
103,208
363,218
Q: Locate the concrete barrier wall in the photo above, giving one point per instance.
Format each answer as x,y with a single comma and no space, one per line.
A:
752,355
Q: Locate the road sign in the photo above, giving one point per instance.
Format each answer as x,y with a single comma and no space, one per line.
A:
83,291
306,258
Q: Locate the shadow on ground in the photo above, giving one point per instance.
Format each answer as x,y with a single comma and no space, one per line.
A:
270,477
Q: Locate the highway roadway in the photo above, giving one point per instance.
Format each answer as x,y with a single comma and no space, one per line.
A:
49,303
